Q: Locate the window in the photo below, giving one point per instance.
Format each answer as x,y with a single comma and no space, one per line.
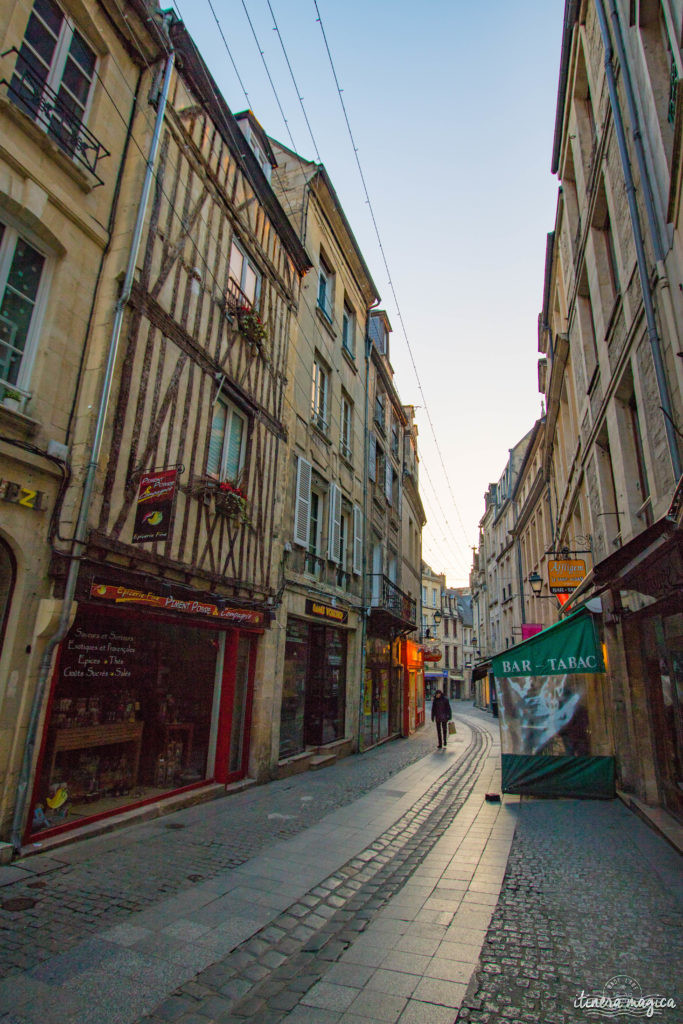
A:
319,395
346,427
380,408
394,438
21,270
244,282
349,331
226,442
53,77
325,288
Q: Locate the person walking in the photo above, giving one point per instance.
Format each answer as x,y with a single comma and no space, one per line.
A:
441,714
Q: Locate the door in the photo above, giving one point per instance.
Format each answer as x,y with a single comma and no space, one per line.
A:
234,724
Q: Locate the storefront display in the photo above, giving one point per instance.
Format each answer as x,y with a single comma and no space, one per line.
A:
314,686
133,713
382,693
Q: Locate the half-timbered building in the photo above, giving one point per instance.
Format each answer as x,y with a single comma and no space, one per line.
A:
178,468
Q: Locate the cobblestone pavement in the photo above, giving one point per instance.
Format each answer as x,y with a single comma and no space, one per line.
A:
589,895
264,978
81,889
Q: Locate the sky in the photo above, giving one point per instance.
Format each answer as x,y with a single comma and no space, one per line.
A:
451,105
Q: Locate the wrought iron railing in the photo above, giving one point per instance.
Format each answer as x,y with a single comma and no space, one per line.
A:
386,596
328,573
30,93
235,299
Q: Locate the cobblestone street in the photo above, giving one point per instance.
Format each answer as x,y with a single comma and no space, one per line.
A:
383,889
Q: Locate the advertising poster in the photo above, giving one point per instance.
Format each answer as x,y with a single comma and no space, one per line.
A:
154,505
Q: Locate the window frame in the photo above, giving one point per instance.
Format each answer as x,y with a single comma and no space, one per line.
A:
233,411
325,295
15,231
349,330
320,377
247,262
56,70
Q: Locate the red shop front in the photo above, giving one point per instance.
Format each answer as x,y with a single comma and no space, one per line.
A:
151,695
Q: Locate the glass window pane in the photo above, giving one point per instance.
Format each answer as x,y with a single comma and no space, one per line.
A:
81,52
236,261
74,88
249,286
213,462
50,13
42,41
233,455
27,266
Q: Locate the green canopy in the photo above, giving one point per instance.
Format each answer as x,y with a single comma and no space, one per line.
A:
567,648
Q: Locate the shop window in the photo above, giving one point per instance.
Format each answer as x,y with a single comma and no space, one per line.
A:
131,714
227,442
314,688
54,75
21,276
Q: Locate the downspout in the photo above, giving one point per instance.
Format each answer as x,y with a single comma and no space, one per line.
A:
80,533
648,304
364,562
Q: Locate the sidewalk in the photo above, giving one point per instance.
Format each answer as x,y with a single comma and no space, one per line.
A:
394,908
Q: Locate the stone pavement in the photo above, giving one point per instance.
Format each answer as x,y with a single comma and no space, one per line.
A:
388,908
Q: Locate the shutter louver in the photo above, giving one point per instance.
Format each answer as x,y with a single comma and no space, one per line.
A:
216,439
334,524
372,455
388,475
357,540
302,503
234,448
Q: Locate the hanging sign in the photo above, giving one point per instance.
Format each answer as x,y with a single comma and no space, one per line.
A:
565,574
326,611
126,595
155,504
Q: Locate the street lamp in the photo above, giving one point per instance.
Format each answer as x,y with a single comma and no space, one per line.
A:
536,583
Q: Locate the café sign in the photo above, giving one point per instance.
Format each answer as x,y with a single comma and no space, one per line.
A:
565,574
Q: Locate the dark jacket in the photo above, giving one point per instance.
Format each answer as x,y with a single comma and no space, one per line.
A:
441,710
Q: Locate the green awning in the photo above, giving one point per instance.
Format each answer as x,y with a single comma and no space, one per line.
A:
567,648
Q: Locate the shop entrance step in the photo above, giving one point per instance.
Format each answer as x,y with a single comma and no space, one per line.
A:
320,761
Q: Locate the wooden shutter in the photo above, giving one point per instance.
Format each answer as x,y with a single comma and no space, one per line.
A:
216,439
302,503
388,478
357,540
334,523
372,455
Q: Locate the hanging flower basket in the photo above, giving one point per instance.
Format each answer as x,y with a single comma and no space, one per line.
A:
231,502
251,326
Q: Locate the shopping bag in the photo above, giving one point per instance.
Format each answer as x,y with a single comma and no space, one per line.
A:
451,728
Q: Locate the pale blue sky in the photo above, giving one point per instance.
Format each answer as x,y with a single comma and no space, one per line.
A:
452,106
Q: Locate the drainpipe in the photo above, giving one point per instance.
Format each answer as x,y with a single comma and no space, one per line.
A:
81,530
364,563
648,304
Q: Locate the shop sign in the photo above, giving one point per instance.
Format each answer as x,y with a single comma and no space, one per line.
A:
17,494
154,506
565,574
326,611
126,595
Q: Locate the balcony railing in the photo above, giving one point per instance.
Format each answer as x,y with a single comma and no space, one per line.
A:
235,299
327,573
31,94
387,597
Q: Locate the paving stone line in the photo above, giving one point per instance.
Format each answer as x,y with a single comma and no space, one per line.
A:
265,977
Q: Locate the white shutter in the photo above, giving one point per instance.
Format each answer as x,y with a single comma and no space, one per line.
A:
388,476
372,455
216,439
357,540
334,523
400,498
302,503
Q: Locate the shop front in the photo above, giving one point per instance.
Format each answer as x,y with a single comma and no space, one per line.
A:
642,598
313,709
151,694
382,691
413,686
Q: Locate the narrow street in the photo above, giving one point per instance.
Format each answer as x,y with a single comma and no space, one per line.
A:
368,892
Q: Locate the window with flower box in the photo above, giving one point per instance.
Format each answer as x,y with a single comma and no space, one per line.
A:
227,442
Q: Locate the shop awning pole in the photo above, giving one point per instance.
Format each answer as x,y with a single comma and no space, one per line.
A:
81,530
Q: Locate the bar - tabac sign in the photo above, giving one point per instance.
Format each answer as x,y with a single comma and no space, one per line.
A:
565,574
